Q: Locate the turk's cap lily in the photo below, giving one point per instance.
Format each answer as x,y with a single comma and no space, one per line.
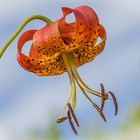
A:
49,42
61,47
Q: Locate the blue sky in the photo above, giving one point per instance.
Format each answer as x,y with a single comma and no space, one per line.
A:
28,101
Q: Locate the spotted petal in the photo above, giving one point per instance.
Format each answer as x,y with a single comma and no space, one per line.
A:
36,62
47,40
88,53
83,31
60,37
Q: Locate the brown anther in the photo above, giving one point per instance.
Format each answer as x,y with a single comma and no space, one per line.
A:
73,114
71,123
115,102
102,96
103,116
60,120
100,112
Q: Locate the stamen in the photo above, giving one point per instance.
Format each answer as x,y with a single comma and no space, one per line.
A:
74,96
72,84
70,96
102,96
94,104
100,112
78,78
71,123
73,114
115,102
102,115
60,120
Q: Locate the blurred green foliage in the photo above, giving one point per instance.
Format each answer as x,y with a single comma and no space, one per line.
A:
50,133
133,120
127,129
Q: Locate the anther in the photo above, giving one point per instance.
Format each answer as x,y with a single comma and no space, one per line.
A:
103,116
100,112
73,114
102,96
115,102
60,120
71,123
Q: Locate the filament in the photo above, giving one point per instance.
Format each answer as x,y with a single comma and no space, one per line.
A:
72,84
79,80
94,104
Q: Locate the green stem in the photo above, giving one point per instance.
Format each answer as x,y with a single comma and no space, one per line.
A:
43,18
72,82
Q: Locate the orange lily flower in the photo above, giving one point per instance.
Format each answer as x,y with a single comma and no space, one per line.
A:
61,47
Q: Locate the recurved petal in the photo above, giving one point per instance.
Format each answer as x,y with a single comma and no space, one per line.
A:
83,31
34,52
87,54
102,34
26,36
42,66
48,40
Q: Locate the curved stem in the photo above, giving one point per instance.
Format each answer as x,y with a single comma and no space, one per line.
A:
43,18
72,82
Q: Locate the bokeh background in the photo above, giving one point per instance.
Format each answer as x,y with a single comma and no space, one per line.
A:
29,105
